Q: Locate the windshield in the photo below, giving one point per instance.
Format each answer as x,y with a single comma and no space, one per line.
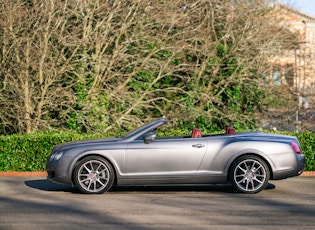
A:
145,127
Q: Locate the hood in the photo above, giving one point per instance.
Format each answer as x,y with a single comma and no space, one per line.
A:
90,142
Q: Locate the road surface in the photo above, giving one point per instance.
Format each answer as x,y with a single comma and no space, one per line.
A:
34,203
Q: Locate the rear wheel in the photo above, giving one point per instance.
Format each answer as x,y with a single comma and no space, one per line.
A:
249,174
93,175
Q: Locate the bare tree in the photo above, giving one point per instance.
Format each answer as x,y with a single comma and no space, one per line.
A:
103,65
35,80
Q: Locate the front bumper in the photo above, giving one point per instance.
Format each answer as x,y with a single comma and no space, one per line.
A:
58,172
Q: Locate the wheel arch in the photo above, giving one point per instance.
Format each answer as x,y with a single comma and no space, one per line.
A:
250,154
79,159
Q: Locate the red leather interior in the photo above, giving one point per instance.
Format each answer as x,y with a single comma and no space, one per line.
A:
230,130
196,133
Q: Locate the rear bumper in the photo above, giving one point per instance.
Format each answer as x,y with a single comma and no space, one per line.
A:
296,171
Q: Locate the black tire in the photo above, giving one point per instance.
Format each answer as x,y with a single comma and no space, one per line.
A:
93,175
249,174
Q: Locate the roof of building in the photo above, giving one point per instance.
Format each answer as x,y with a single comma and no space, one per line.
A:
300,15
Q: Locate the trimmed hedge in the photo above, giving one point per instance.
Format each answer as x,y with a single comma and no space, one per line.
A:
307,140
30,152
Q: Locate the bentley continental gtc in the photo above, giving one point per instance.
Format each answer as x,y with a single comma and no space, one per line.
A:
246,160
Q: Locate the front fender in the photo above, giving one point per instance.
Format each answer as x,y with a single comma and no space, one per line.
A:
115,157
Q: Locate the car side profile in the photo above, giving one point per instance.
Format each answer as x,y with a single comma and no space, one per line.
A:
247,160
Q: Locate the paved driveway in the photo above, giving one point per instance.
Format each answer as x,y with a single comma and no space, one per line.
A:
35,203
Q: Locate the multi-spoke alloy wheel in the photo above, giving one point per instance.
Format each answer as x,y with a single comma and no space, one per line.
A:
249,174
93,175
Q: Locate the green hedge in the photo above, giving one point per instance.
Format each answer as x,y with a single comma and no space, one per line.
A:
307,140
30,152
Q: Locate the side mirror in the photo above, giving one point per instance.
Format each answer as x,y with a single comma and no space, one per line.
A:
148,137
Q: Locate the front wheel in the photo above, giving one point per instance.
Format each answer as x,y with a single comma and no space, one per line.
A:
249,174
93,175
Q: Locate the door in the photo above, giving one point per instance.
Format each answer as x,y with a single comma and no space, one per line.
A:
164,159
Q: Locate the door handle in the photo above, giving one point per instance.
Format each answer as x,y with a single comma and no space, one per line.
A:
198,146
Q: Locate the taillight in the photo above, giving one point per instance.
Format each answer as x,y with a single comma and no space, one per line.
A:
296,148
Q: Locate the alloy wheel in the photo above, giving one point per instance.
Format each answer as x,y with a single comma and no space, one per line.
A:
250,175
93,176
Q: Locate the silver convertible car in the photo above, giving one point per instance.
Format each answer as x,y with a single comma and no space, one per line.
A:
246,160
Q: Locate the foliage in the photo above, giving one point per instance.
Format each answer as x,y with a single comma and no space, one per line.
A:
30,152
111,65
307,140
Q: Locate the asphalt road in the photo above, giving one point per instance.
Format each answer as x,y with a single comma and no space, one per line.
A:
34,203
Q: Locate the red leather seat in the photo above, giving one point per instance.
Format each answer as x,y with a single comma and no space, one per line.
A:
230,130
196,133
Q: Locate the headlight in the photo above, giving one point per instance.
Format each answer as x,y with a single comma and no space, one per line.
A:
58,156
55,156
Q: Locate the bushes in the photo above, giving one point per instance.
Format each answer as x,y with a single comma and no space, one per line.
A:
307,140
30,152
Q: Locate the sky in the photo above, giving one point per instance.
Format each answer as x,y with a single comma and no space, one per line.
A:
305,6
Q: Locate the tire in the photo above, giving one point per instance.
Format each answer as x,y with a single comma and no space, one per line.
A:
93,175
249,174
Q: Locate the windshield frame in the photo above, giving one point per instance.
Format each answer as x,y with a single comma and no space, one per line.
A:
149,127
